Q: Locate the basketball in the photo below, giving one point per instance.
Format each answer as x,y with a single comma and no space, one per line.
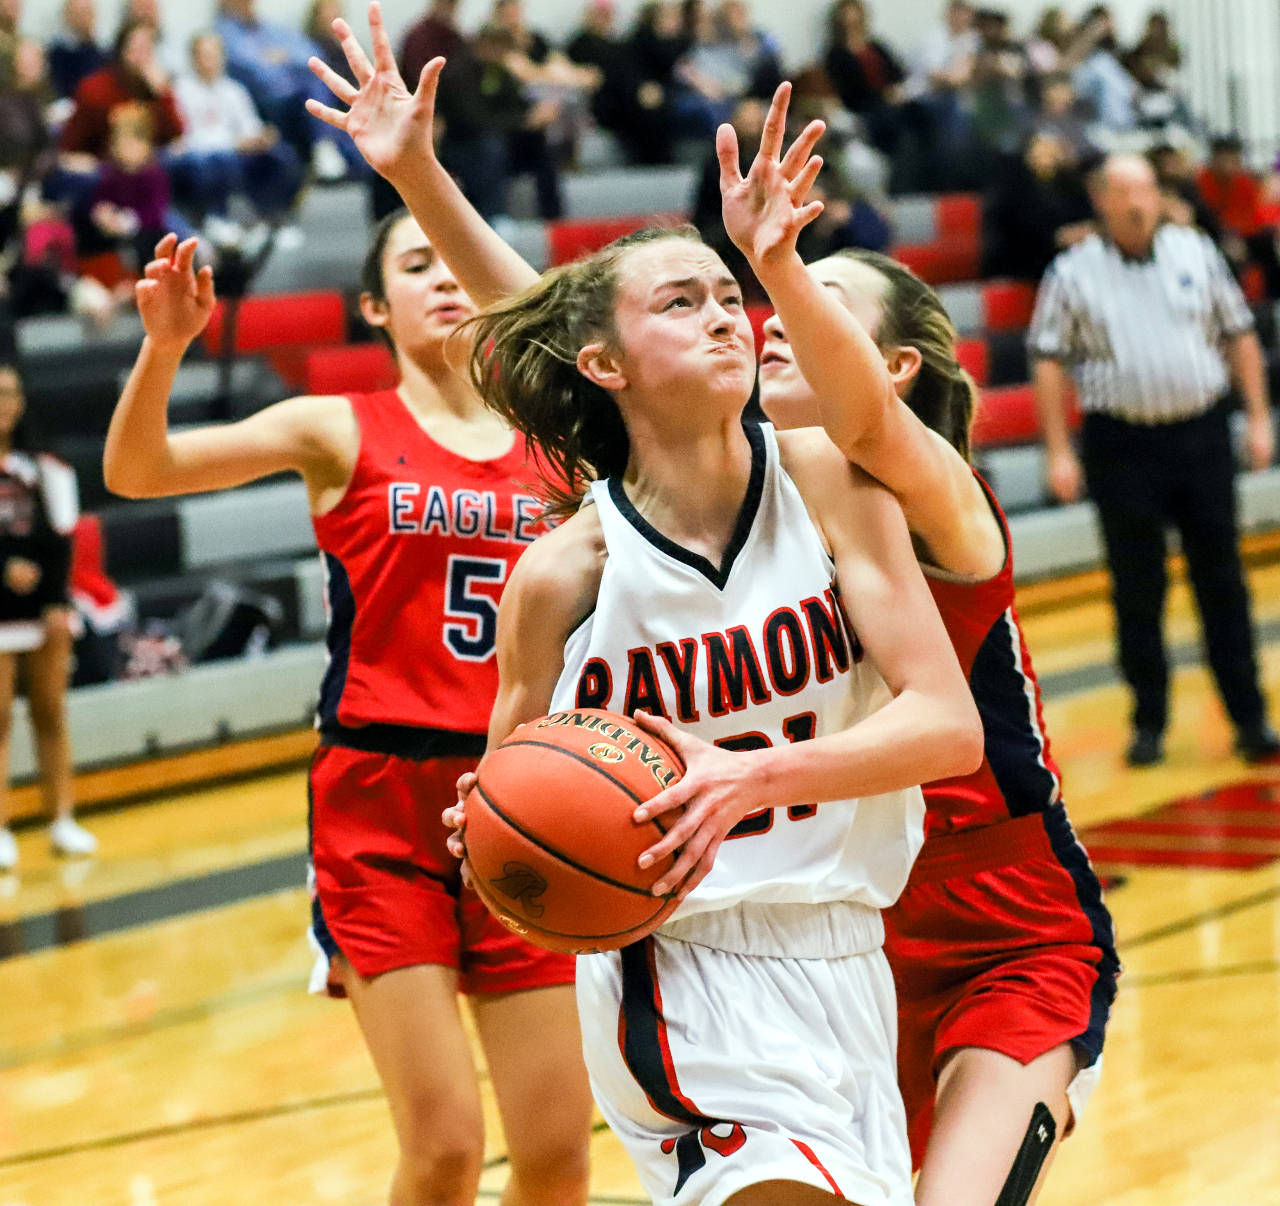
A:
551,842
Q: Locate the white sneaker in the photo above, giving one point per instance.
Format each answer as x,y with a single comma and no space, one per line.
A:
69,838
8,850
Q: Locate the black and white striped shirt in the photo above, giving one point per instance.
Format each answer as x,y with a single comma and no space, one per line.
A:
1142,338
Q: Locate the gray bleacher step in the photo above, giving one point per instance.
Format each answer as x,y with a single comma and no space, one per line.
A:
54,333
914,219
263,521
204,705
615,192
1016,475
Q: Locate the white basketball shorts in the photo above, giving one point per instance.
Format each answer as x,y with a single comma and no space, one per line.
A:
720,1070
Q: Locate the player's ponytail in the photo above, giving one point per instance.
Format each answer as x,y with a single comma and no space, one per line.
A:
942,395
524,364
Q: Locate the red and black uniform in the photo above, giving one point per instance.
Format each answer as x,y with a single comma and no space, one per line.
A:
416,554
1001,939
38,509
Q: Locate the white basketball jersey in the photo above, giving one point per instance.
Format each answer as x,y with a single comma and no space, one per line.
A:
757,652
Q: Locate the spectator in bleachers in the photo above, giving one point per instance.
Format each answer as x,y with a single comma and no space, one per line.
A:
74,52
546,74
999,87
624,104
1101,80
10,32
129,208
657,41
1157,104
133,76
865,73
869,79
1158,45
26,144
941,76
1057,114
711,77
434,34
1180,198
318,26
1037,207
172,56
36,519
270,60
756,49
1147,321
227,151
1048,47
1237,199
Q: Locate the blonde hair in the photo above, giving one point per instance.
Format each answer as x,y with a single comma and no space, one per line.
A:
524,364
943,396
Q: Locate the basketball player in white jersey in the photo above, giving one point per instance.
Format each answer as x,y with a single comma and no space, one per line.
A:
764,596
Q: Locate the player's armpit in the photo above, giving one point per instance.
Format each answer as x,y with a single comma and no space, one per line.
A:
552,590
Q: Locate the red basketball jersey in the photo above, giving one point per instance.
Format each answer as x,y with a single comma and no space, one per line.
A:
415,556
1018,775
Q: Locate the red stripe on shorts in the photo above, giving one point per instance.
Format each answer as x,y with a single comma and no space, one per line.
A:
807,1152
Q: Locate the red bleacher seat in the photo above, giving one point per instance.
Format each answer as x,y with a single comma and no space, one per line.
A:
958,218
1253,284
940,263
974,358
576,238
1007,415
1007,305
282,320
349,368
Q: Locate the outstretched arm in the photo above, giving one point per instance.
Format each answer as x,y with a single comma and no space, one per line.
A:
857,396
144,460
394,129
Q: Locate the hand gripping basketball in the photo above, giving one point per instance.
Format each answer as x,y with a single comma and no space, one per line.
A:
552,844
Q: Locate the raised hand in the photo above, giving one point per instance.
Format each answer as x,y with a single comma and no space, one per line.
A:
391,126
765,210
174,301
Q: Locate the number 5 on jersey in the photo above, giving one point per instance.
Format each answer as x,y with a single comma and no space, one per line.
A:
471,606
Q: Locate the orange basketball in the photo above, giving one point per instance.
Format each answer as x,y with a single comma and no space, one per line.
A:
551,842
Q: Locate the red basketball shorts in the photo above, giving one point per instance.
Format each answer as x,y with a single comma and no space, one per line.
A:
388,893
1001,941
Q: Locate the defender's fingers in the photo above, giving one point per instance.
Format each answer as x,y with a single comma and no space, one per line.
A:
810,211
357,60
428,83
384,58
775,125
343,89
164,248
801,185
802,148
728,154
332,117
185,256
204,286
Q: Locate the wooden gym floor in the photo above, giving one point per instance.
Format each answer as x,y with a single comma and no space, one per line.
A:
157,1046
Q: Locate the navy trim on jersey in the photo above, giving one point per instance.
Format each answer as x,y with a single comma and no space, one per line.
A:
1072,856
718,576
319,927
342,618
1013,742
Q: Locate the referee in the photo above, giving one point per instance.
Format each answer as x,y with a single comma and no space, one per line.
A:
1150,324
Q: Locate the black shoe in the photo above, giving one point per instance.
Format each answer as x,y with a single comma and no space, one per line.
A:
1258,744
1146,749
